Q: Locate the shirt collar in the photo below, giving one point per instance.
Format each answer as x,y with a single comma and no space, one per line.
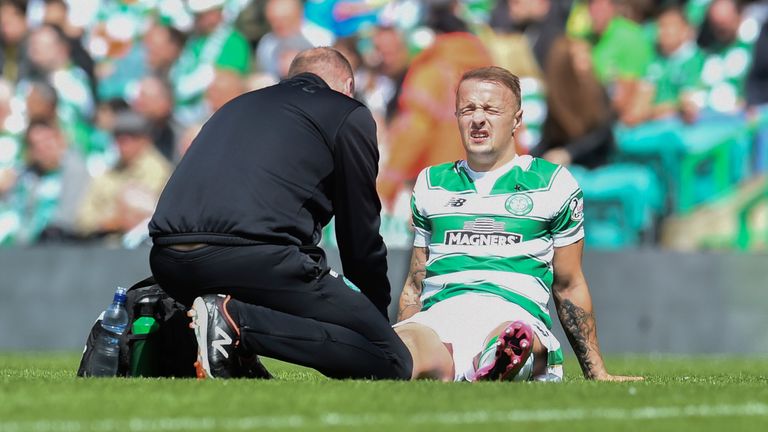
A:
308,77
519,161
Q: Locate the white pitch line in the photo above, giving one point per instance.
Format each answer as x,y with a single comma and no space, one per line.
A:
138,424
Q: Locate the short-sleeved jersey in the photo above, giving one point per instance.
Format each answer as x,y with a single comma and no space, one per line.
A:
500,242
612,58
677,73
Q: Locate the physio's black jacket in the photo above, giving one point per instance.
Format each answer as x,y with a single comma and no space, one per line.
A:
272,167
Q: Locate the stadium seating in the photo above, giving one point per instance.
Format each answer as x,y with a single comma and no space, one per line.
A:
715,159
748,233
622,203
697,163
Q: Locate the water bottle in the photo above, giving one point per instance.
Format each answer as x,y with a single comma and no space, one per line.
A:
106,348
145,359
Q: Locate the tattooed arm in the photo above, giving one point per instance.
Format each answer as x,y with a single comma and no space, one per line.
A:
574,307
410,301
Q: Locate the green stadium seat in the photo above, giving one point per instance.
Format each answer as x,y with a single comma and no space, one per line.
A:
746,234
696,163
622,202
658,146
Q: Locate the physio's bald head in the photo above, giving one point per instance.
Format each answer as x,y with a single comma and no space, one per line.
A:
327,63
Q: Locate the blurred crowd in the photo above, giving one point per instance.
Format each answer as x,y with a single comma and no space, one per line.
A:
100,98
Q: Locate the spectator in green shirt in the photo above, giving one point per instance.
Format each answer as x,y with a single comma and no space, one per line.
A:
163,44
50,55
621,53
675,74
43,202
728,57
213,44
620,48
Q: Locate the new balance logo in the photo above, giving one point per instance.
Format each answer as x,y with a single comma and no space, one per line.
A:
218,344
455,202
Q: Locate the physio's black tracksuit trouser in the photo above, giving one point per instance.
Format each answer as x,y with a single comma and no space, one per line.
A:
290,307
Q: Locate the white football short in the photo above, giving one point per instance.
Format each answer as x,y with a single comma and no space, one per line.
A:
466,320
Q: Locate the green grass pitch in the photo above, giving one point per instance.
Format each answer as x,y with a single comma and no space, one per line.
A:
39,392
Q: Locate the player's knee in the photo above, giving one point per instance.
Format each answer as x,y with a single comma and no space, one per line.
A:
430,358
405,354
414,336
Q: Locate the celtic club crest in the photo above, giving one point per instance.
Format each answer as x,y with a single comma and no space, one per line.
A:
519,204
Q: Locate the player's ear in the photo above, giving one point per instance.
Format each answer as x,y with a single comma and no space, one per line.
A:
518,119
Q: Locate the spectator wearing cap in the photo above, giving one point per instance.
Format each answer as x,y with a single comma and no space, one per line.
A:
124,196
214,44
42,100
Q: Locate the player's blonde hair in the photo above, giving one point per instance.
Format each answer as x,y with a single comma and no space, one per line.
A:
494,74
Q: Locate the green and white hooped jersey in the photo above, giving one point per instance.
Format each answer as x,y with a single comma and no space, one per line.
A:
495,232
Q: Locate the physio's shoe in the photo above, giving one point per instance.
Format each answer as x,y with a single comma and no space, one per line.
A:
218,339
251,367
506,354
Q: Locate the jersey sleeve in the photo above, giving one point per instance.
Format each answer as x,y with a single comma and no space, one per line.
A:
421,225
567,226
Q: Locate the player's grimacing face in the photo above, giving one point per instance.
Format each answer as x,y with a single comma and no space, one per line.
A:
488,114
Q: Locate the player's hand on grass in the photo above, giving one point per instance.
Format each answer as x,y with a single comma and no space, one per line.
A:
617,378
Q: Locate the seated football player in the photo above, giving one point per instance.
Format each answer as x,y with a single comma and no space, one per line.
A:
496,235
